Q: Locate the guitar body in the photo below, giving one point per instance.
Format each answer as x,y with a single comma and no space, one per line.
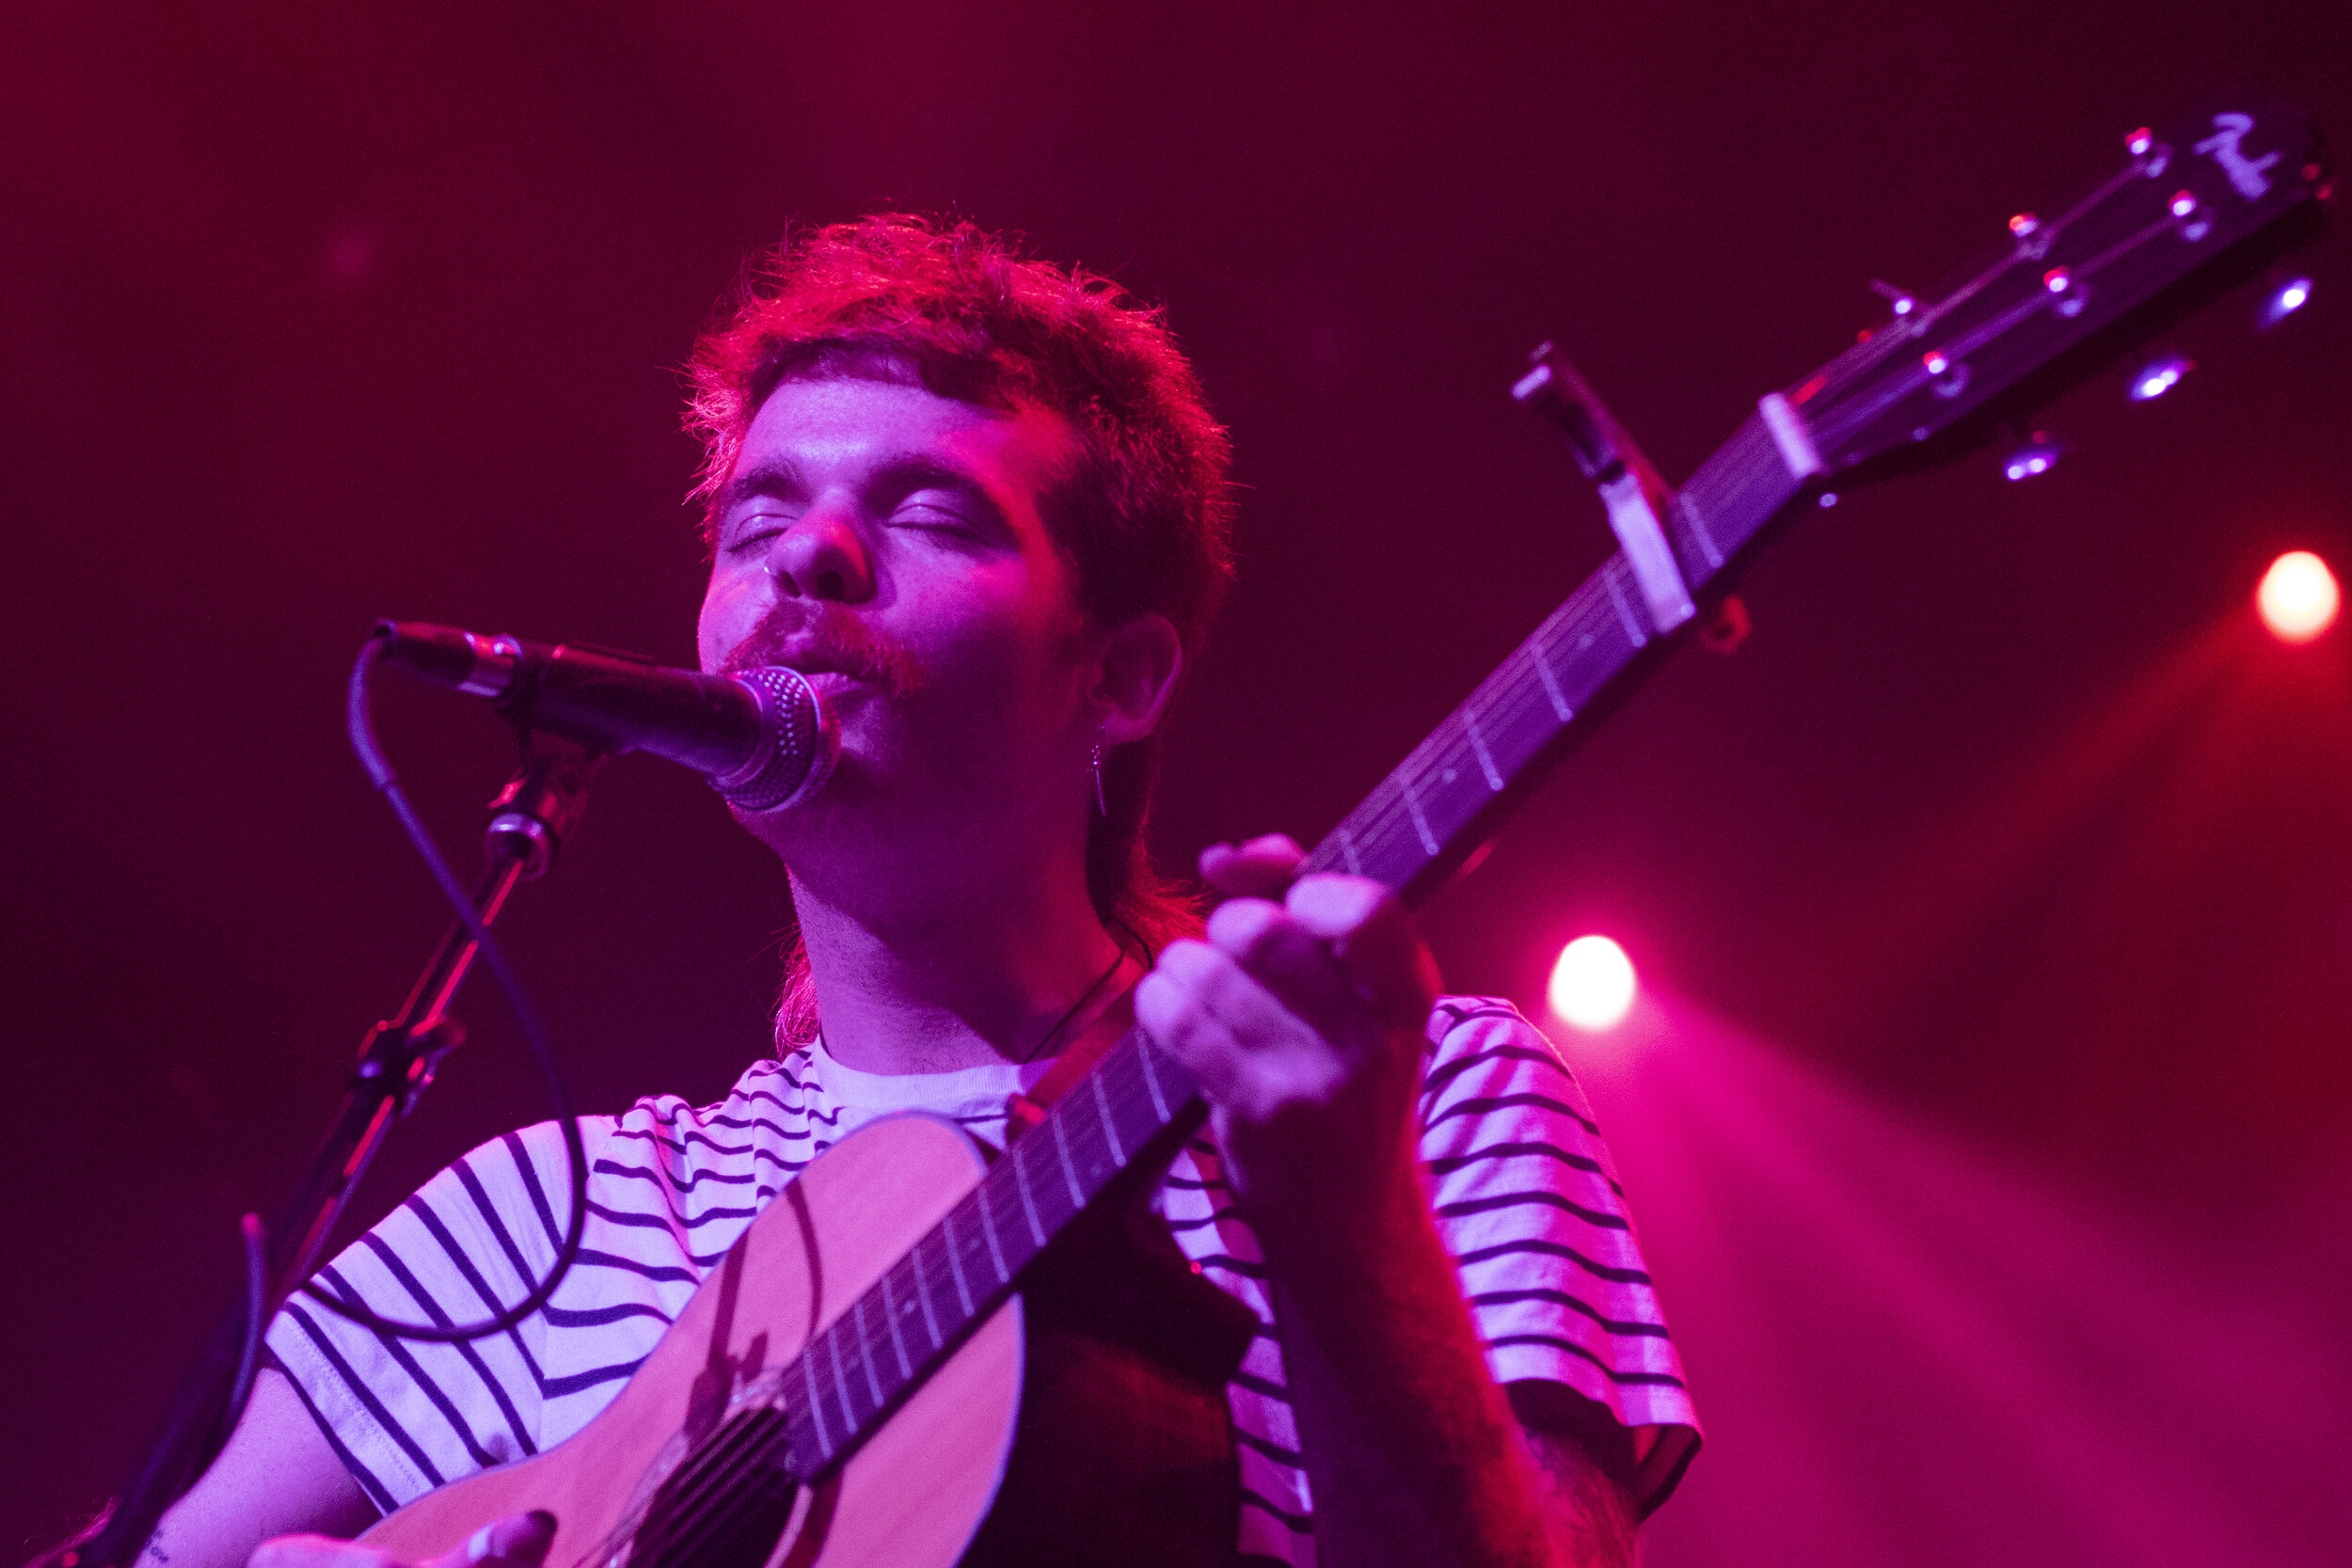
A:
1081,1421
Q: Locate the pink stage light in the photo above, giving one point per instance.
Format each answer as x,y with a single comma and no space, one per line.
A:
2298,597
1592,985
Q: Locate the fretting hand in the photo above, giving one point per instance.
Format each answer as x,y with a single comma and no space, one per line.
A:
1302,1014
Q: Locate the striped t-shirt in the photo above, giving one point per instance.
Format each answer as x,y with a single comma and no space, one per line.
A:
1525,1196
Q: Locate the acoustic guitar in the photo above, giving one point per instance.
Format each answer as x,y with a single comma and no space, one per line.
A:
887,1368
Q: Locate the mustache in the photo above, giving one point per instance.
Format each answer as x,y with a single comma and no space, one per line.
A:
827,637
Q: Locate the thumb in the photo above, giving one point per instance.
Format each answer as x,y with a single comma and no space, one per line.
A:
516,1541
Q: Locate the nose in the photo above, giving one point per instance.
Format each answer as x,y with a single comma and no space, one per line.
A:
821,557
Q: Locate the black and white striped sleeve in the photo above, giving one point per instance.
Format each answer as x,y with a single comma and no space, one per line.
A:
405,1416
1527,1199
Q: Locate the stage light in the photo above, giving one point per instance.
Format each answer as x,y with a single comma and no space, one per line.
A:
2283,301
1592,985
2159,375
2298,597
2037,454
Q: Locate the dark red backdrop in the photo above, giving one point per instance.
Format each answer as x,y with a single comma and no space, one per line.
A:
2004,849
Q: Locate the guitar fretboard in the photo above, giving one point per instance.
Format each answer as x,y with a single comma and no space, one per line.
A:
857,1368
1408,833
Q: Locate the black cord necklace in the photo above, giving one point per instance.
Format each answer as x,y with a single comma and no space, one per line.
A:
1118,962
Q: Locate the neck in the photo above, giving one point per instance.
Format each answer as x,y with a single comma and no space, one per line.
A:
955,983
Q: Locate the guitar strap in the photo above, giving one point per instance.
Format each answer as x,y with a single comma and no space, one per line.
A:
1025,1111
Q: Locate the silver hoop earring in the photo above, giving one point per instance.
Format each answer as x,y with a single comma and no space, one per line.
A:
1102,807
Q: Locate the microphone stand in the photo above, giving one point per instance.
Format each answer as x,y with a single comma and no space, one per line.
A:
396,1063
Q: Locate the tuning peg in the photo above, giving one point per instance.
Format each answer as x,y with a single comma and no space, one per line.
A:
2159,374
2037,454
2284,299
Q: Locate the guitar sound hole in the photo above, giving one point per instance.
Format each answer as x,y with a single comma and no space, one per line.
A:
728,1504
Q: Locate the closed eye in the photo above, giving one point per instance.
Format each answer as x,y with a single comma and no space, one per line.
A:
924,492
940,511
753,529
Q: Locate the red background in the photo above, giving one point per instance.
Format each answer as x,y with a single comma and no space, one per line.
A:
1989,1127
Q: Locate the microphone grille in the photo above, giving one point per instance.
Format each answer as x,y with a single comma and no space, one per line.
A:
803,739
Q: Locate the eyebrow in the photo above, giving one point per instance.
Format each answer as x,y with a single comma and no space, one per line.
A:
776,477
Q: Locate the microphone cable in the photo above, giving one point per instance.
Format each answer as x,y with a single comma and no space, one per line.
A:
510,985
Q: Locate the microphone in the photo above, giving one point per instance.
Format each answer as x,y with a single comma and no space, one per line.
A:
764,739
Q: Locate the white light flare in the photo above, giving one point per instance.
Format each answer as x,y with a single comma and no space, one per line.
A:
1592,985
2283,302
2298,597
2158,376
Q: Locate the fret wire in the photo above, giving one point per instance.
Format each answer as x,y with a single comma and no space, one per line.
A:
815,1402
1151,1081
1486,759
1421,821
1140,1110
840,1382
1069,1170
864,1347
1103,1112
890,1317
923,1291
1020,1188
1633,631
1685,508
988,1231
955,1263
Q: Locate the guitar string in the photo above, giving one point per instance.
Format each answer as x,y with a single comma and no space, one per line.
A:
723,1510
1383,816
1384,820
704,1466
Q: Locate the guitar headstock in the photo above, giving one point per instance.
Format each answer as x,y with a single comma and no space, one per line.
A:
2186,194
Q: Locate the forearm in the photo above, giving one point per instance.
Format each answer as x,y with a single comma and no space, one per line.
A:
276,1475
1413,1453
1304,1021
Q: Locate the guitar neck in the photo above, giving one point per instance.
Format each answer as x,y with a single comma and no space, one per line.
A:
2183,199
1408,832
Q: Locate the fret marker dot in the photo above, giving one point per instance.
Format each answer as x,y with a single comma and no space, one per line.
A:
1592,984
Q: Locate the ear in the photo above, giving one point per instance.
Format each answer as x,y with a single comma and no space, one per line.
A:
1134,677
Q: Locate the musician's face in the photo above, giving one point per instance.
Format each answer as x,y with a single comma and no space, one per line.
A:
890,543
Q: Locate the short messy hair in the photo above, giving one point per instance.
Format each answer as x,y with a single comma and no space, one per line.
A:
1144,516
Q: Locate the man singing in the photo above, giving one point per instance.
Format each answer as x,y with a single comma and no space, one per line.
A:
979,501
